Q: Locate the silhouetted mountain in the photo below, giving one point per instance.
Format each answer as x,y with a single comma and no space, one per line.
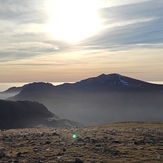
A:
23,114
111,82
34,88
101,99
38,87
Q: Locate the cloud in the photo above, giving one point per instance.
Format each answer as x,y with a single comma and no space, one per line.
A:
132,32
132,24
22,50
125,24
23,32
133,11
22,11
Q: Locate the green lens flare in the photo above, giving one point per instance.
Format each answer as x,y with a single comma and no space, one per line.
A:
74,136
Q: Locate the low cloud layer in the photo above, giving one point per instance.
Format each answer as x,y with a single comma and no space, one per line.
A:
132,24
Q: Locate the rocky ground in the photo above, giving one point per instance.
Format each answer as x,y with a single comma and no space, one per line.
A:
112,143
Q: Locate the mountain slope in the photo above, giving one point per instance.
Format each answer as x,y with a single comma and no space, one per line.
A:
23,114
11,92
101,99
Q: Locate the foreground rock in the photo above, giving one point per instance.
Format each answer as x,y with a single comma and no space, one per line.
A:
114,143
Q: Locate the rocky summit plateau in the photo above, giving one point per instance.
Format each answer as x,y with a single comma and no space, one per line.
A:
110,143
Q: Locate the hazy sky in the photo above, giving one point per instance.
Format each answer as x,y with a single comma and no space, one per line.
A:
69,40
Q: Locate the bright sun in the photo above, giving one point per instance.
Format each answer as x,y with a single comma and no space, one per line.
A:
73,20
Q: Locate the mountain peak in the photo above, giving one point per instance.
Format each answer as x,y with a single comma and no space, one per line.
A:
102,75
113,79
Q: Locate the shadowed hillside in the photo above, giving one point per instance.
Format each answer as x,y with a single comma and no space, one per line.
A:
22,114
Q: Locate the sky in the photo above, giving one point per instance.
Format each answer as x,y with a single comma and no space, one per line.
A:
70,40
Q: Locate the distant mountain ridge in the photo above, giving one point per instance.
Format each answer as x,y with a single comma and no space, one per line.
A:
38,86
31,86
101,99
102,82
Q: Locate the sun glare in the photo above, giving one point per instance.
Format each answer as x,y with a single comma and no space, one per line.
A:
73,20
